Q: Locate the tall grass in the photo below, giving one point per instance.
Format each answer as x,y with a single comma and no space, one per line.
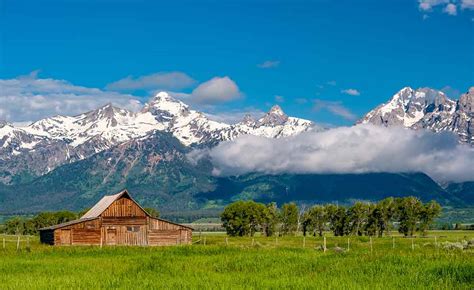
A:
244,263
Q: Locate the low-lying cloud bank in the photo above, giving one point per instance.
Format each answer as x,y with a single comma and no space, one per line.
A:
357,149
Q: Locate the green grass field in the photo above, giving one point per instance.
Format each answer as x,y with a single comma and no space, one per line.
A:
244,263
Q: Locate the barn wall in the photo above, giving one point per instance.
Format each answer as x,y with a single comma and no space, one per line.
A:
162,233
123,207
84,233
106,221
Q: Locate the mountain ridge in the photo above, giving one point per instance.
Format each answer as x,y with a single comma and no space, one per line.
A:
51,142
425,108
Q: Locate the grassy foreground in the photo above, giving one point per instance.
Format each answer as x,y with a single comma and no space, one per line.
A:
244,263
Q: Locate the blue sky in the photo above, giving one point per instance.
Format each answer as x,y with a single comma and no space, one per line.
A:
305,52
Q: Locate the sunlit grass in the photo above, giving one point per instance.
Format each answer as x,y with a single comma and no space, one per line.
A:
232,263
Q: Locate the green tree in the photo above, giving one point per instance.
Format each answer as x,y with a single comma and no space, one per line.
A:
408,212
358,214
243,218
315,219
289,218
428,213
373,220
15,226
387,209
270,220
152,211
338,219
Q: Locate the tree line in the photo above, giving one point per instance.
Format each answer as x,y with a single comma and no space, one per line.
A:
30,226
407,214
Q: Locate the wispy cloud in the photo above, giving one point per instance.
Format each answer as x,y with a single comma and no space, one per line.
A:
332,83
427,5
160,80
352,92
449,7
269,64
335,108
29,98
279,99
357,149
467,4
301,101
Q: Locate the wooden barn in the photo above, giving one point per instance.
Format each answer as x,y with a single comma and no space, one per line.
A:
117,220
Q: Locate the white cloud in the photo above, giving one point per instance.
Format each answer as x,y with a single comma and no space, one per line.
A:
357,149
427,5
467,4
216,90
449,6
160,80
335,108
279,99
29,98
332,83
352,92
269,64
451,9
301,101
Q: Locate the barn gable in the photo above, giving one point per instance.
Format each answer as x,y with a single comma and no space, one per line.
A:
117,205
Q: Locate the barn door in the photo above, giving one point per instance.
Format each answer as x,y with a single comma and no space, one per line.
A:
65,237
111,237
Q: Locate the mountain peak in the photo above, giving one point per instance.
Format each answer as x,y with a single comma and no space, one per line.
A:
274,117
164,103
248,120
277,110
4,123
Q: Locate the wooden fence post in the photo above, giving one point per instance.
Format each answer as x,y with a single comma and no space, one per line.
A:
253,241
276,241
412,244
18,243
371,246
348,244
304,241
4,243
226,241
324,244
393,242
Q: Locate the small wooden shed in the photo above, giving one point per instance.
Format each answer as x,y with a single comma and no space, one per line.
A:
117,220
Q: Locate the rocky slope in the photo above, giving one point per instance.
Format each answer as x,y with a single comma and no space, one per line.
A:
426,108
33,150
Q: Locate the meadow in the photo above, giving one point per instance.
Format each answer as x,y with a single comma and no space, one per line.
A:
217,261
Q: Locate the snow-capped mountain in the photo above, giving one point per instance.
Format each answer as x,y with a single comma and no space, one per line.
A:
43,145
426,108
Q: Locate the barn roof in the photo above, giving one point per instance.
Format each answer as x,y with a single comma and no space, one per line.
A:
69,223
104,203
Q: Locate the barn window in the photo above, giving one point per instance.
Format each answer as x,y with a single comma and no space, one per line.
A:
133,229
